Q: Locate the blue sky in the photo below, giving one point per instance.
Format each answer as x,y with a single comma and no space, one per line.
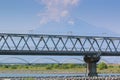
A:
79,17
82,17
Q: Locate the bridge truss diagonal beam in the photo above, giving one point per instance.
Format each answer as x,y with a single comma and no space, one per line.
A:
58,44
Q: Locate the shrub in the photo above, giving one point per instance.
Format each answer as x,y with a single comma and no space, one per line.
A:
71,65
26,67
48,68
102,66
5,66
13,67
65,66
119,66
55,66
110,66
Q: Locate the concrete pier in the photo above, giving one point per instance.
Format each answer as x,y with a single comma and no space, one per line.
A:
91,65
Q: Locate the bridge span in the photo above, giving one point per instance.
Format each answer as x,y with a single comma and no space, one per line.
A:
39,44
91,47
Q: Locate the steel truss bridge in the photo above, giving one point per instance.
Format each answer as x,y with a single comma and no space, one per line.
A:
40,44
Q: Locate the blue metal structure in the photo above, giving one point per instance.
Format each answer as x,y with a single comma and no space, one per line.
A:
39,44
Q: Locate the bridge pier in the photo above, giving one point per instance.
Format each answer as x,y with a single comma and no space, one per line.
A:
91,65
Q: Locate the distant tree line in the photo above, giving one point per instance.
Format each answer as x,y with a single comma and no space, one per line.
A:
100,66
46,66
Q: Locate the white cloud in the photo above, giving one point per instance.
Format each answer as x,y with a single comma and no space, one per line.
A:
64,13
70,2
71,22
56,10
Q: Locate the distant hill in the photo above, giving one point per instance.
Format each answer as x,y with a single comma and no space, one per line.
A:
74,27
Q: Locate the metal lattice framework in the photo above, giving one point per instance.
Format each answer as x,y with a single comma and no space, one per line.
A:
32,44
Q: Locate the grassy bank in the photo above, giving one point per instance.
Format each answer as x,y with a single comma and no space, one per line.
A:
59,68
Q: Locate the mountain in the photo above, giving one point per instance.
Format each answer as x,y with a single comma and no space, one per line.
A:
75,27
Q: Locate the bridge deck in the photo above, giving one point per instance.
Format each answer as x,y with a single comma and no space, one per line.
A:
58,53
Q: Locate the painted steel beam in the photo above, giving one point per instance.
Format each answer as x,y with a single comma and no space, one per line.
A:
40,44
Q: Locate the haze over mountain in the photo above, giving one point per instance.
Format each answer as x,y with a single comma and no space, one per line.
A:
74,26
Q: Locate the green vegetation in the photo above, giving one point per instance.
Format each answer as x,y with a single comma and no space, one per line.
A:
102,66
45,66
59,68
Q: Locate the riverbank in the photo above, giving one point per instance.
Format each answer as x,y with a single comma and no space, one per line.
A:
56,68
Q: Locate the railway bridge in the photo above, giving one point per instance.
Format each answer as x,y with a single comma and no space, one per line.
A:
91,47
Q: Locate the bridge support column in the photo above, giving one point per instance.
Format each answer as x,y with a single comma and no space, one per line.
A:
91,65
